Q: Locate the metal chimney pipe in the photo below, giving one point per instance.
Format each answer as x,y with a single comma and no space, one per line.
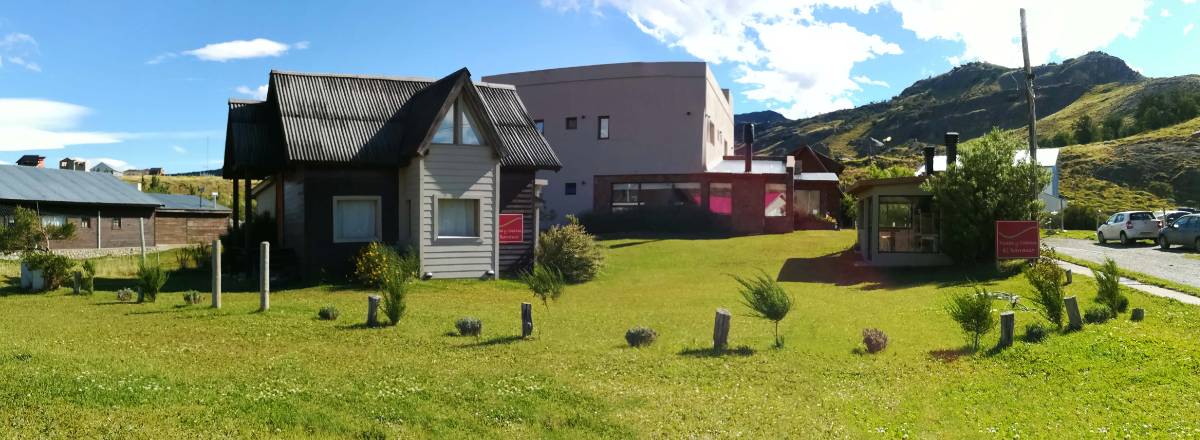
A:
929,151
951,148
748,139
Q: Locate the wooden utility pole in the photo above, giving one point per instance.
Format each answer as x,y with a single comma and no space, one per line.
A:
1029,95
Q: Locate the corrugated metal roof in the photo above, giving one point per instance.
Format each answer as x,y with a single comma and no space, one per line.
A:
817,177
185,202
363,120
756,167
29,184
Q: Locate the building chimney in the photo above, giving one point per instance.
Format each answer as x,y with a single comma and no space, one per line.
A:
951,148
748,140
929,151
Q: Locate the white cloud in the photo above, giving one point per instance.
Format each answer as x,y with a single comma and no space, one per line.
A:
793,62
178,149
161,57
259,93
990,30
1188,2
30,124
300,45
863,79
19,49
1164,13
1188,29
240,49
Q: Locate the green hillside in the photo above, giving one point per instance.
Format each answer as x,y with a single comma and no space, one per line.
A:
194,185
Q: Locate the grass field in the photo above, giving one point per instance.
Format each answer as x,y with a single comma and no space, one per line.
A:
88,367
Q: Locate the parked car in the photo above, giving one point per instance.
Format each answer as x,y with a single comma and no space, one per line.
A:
1185,231
1169,217
1187,209
1129,226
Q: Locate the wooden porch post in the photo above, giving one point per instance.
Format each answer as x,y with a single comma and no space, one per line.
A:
236,199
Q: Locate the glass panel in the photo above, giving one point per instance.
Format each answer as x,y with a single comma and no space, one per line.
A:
687,194
540,125
775,201
808,203
469,136
720,198
907,224
356,220
445,131
656,194
456,218
604,127
53,220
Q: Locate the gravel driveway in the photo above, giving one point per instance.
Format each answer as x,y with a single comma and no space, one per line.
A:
1138,257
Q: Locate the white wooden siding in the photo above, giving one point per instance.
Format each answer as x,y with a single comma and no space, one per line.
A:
458,171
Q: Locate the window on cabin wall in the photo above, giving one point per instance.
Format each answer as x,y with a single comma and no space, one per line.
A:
116,223
907,225
775,200
572,123
356,219
445,131
458,218
808,203
54,220
457,127
467,134
720,198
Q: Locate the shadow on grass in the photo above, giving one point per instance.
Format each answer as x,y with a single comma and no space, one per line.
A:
714,352
845,269
358,326
950,354
633,243
498,340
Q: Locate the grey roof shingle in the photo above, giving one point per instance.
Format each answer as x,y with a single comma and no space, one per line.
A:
29,184
185,202
350,119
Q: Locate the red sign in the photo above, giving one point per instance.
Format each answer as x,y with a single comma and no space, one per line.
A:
512,228
1016,239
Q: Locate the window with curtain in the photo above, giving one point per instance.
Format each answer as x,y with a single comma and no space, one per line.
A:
775,202
356,219
808,203
458,218
720,198
54,220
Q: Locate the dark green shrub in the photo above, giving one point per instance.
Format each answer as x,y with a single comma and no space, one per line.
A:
125,295
196,256
469,326
1097,314
686,219
640,336
1109,288
1047,280
192,297
767,298
328,313
875,340
973,313
571,251
55,268
150,279
1034,333
89,276
546,283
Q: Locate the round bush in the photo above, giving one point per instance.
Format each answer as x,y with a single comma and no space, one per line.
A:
875,340
125,294
1097,314
640,336
469,326
571,251
191,297
1035,333
328,313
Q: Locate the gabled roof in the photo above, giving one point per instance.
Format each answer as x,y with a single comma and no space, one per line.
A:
827,162
367,121
29,184
186,202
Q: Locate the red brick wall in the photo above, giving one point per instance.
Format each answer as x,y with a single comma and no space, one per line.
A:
749,191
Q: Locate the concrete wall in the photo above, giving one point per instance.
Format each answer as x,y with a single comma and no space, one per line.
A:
658,116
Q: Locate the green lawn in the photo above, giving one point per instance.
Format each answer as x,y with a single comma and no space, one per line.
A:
1081,235
89,367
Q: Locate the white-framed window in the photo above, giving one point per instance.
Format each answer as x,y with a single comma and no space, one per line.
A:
457,127
457,218
357,219
54,220
602,127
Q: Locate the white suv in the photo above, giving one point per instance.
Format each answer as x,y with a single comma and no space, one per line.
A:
1129,226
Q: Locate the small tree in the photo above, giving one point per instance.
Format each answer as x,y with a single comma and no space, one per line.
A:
1047,279
151,277
986,187
545,282
26,232
973,313
89,276
395,279
1109,292
571,251
767,298
1084,130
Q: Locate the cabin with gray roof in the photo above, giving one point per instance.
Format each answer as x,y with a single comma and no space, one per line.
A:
188,219
444,167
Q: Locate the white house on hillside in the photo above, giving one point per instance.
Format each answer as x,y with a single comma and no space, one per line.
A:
106,169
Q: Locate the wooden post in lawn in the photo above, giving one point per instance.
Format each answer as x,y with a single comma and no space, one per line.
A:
216,274
373,310
1068,277
526,320
1008,324
1137,314
1074,321
264,276
721,330
78,282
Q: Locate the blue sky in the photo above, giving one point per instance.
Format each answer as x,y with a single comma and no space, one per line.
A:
145,83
